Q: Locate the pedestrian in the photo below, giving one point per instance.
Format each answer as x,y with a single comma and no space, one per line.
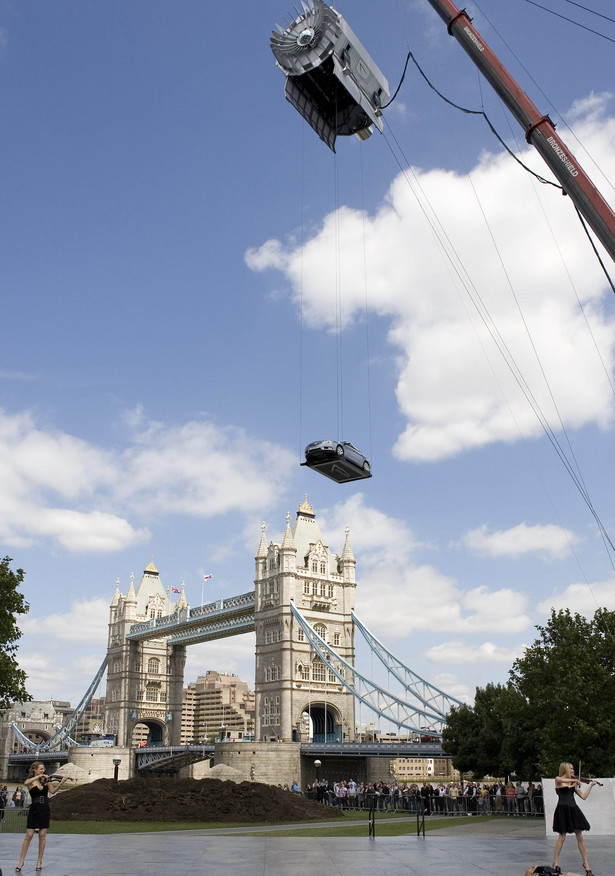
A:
40,786
567,817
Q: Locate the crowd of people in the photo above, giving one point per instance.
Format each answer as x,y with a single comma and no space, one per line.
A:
16,800
452,798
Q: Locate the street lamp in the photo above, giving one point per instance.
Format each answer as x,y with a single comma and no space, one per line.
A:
116,767
317,766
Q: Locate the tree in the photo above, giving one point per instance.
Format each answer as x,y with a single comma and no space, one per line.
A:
557,706
492,737
12,603
568,679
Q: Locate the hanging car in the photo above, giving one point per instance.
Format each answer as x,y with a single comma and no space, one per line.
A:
330,79
340,461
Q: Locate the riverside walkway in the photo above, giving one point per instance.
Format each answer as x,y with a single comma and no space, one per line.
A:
502,847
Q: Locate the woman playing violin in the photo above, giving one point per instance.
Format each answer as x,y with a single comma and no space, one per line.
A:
39,785
567,817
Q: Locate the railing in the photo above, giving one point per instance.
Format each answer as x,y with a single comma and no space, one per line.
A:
185,619
432,807
14,820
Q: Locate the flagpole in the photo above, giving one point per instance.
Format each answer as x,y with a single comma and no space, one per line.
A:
205,577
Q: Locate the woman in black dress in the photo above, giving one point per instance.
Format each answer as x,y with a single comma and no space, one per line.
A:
567,817
39,786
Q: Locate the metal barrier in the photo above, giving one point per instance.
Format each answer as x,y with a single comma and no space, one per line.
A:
371,826
13,820
420,821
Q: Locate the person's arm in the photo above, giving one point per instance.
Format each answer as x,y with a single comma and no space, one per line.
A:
54,786
563,782
584,795
33,780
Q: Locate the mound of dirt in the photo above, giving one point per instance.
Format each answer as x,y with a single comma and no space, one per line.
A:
185,800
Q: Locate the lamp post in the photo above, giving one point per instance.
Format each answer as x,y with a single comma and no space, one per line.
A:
116,767
317,766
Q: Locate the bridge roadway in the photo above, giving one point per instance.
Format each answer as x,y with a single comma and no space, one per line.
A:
155,757
216,620
60,755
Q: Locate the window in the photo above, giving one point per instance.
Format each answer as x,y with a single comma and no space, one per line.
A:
330,591
323,569
153,666
300,635
151,694
336,639
314,566
321,630
306,588
318,670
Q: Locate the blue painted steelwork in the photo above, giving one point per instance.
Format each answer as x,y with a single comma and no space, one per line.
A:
428,694
153,758
63,735
376,698
373,749
192,624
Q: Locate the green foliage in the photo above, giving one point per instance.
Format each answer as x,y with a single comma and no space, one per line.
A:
12,604
558,706
568,677
491,738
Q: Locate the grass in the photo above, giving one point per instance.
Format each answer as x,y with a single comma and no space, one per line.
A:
355,826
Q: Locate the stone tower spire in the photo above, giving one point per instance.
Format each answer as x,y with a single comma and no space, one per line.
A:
347,561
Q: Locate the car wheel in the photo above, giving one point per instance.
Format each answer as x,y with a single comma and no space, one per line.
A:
366,467
339,450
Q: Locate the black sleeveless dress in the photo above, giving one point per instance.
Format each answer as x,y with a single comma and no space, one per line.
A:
567,817
38,814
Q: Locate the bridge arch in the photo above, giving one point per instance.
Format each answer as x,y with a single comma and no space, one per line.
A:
151,730
324,721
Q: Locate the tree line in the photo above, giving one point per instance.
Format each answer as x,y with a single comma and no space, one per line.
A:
558,705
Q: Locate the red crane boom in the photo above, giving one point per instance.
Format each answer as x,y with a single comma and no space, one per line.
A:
539,129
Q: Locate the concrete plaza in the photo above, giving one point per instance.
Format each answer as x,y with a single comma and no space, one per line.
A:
503,847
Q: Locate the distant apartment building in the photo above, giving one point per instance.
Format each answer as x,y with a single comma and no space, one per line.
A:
423,769
217,706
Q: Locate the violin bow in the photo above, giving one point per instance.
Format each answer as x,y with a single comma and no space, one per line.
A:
587,781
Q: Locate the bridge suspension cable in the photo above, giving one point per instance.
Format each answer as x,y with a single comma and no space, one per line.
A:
63,735
376,698
428,694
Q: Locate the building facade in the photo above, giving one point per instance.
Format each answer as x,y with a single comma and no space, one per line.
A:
297,697
145,679
217,707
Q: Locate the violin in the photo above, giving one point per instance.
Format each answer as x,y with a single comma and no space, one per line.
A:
587,781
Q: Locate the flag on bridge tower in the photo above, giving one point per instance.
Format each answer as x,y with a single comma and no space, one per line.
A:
205,577
175,590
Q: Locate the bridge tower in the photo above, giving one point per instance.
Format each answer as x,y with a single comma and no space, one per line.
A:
145,679
296,697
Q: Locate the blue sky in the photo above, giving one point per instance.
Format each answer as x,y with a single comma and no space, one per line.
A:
178,250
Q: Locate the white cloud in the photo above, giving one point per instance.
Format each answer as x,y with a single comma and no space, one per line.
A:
397,595
553,542
81,624
454,389
583,598
460,652
88,499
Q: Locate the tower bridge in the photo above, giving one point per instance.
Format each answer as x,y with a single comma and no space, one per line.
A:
306,684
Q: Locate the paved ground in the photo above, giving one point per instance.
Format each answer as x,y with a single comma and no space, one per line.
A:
499,848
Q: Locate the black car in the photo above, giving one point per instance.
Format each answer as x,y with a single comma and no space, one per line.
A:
339,460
